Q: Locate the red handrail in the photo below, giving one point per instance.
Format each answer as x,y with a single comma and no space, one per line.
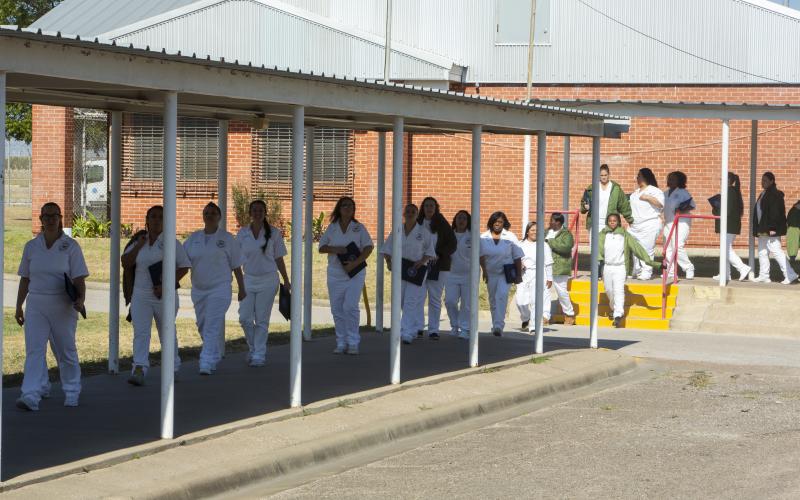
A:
674,262
576,231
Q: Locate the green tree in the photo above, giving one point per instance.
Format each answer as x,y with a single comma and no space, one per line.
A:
22,13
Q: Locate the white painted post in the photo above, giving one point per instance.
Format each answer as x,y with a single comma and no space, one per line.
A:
751,245
474,258
115,173
2,231
381,230
595,209
222,177
308,241
168,267
296,323
526,181
541,167
565,182
723,212
387,46
397,247
222,195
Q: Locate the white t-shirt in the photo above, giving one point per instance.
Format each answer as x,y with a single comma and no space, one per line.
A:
416,244
505,251
426,223
643,211
213,257
149,255
605,195
333,236
673,200
461,257
255,261
529,261
614,249
45,267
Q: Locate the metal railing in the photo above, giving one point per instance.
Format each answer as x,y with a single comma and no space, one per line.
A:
674,262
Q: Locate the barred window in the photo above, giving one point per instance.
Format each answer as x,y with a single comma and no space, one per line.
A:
272,151
143,151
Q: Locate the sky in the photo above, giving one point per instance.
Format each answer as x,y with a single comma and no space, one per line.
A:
795,4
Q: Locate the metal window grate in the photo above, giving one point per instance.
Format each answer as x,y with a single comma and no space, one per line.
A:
272,160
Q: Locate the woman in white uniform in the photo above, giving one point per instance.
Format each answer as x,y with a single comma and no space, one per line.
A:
444,243
456,287
647,206
50,314
769,224
677,200
501,262
214,254
616,246
345,279
262,251
146,299
417,248
526,291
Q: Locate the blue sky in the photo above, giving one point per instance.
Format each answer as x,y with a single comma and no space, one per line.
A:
795,4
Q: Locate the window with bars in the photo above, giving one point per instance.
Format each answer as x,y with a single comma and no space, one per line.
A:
143,153
272,151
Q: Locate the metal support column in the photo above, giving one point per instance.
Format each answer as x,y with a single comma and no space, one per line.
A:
594,231
397,247
474,258
565,182
526,181
2,231
751,242
296,323
115,174
541,167
308,241
168,294
723,213
381,230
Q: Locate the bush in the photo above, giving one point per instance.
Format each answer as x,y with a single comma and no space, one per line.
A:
89,226
241,203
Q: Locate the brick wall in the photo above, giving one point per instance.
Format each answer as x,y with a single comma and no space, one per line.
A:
51,157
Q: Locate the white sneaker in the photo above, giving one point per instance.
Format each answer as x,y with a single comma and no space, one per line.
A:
745,274
787,281
27,403
71,400
204,370
463,335
339,350
353,351
256,363
762,279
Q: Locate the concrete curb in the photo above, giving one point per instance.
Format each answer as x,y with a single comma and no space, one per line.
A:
210,482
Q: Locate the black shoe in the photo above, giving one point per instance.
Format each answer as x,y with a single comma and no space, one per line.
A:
524,325
433,336
420,334
617,322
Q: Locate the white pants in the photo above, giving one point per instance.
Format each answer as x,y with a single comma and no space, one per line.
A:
614,283
526,298
498,299
210,307
683,257
435,289
50,318
145,307
255,311
413,317
456,300
560,284
770,246
733,258
646,233
345,295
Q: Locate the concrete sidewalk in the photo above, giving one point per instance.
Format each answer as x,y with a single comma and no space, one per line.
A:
245,450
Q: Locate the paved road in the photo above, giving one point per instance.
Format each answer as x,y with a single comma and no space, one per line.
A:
688,430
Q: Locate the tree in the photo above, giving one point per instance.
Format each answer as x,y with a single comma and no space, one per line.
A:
22,13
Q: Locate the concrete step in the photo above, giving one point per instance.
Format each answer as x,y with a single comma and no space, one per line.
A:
628,322
631,299
632,286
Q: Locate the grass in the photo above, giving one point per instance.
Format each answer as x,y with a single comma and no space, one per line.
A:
699,380
92,341
538,360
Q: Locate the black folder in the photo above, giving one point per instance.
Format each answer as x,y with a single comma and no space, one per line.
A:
72,292
352,254
412,275
433,271
510,270
285,302
715,202
156,271
687,205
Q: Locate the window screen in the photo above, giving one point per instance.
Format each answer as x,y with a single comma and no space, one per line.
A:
513,18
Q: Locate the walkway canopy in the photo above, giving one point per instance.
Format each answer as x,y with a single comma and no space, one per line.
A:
54,70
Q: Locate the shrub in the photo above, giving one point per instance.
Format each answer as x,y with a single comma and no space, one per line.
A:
241,203
89,226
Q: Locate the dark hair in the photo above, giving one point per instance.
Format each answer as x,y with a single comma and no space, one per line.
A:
604,166
267,228
770,176
528,229
337,210
215,206
410,205
616,215
558,217
150,211
469,219
648,176
436,209
680,177
494,218
51,204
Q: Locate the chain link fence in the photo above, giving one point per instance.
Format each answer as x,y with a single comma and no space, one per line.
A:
18,173
90,193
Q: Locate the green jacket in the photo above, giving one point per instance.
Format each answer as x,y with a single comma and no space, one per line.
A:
631,245
793,230
735,211
618,203
562,246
